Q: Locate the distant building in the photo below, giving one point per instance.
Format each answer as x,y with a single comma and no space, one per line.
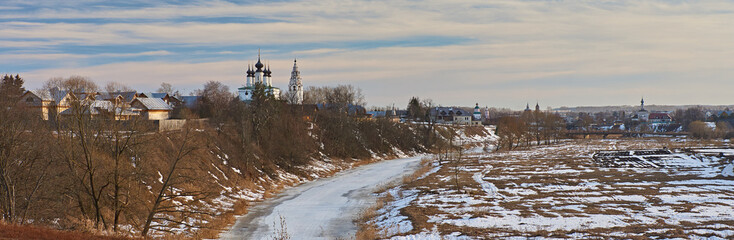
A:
660,117
644,115
477,112
45,105
486,113
295,87
170,99
450,115
463,120
477,116
109,109
118,98
261,75
49,104
152,108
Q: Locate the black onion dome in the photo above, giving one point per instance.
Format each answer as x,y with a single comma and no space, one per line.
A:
259,65
250,73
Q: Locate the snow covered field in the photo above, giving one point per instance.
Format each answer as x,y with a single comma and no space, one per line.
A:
560,191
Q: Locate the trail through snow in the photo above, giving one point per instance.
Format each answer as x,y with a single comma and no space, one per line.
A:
322,209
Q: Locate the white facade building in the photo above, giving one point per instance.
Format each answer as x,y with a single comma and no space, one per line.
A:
262,76
643,115
295,87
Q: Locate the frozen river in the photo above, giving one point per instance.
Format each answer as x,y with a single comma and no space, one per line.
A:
322,209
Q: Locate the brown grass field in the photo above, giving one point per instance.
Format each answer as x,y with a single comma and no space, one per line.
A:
559,191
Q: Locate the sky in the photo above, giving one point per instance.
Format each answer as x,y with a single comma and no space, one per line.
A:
457,53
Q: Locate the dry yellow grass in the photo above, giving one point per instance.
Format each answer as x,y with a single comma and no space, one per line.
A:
552,181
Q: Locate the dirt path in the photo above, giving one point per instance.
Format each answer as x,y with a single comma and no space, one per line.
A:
322,209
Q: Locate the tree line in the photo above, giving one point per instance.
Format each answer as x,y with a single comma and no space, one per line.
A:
530,127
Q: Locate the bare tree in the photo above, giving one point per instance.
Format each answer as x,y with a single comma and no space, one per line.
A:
291,97
177,149
117,87
76,84
24,164
215,97
78,135
338,96
166,88
122,134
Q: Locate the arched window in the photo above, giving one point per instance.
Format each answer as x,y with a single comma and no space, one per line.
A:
29,99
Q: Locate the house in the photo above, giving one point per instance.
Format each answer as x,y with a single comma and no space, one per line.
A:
376,114
117,98
48,104
43,104
450,115
170,99
660,117
102,109
463,120
153,95
152,108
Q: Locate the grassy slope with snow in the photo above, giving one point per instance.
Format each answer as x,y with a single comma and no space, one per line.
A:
234,192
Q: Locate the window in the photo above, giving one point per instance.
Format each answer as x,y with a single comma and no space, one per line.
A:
29,99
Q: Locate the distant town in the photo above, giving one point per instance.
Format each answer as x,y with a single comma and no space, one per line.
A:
122,103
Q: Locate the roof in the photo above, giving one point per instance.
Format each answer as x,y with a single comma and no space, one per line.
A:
41,95
190,101
659,115
153,95
54,95
57,95
95,107
448,111
153,103
377,113
128,96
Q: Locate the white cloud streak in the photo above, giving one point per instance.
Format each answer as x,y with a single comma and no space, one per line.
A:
559,51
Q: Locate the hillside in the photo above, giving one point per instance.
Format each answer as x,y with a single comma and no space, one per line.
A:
120,177
40,233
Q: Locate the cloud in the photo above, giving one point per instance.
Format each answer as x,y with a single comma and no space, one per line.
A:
12,57
563,52
318,51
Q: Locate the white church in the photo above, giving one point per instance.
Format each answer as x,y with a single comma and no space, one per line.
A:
262,75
